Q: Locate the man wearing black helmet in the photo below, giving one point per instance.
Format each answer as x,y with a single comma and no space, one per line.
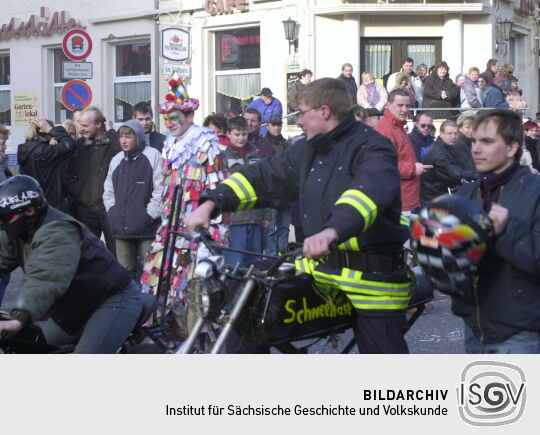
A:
70,276
503,315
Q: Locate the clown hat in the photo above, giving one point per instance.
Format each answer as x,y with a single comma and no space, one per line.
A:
178,98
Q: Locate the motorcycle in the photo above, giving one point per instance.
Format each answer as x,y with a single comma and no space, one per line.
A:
273,304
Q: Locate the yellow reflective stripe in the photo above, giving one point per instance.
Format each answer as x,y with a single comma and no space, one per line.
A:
363,304
361,203
355,284
404,220
243,191
302,265
350,245
363,294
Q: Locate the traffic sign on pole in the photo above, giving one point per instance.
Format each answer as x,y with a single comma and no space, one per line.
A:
75,94
77,44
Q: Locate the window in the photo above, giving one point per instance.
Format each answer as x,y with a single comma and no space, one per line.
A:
237,69
61,113
5,90
132,78
383,56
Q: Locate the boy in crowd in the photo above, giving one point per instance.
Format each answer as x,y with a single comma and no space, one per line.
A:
246,227
142,112
132,193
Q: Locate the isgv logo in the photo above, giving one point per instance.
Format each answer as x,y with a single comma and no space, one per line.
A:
491,393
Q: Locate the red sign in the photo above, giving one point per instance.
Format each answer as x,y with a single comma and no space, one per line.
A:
75,94
77,44
213,7
58,23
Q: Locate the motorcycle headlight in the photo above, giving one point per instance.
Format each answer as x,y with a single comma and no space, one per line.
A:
206,297
209,266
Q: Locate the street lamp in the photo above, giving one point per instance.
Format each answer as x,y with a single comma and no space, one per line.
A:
504,29
291,28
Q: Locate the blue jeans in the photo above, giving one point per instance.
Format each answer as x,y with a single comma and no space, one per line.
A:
131,254
522,342
246,237
4,281
106,329
278,231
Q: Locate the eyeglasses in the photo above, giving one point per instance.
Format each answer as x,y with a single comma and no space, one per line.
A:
303,112
424,125
6,219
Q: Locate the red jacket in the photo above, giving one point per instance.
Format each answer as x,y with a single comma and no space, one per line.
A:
392,128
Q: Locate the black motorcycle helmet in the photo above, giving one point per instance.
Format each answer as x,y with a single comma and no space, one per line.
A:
17,195
450,237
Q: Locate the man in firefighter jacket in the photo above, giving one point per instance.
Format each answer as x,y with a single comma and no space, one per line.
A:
346,178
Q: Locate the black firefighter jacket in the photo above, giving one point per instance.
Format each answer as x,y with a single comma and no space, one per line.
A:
346,179
508,290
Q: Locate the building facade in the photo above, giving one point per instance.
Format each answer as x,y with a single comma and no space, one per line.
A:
124,71
233,48
239,46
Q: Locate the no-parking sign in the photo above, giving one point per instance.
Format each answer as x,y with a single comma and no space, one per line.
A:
77,44
75,94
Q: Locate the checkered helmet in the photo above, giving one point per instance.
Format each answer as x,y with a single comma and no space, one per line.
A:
450,237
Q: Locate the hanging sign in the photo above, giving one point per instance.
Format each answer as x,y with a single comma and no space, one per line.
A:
77,70
175,44
77,44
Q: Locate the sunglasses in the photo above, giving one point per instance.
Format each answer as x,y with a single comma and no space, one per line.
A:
425,125
6,219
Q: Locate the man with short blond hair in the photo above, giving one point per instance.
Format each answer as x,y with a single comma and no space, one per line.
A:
87,170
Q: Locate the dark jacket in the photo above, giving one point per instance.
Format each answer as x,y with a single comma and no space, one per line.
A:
433,87
532,146
235,162
445,174
278,142
420,143
265,147
462,152
132,190
494,97
508,289
350,84
68,272
45,163
156,140
88,167
292,105
318,172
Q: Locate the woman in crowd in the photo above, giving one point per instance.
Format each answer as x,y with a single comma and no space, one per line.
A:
439,91
371,94
403,81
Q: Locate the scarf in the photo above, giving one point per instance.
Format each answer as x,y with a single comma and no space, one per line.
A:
373,96
491,184
224,140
